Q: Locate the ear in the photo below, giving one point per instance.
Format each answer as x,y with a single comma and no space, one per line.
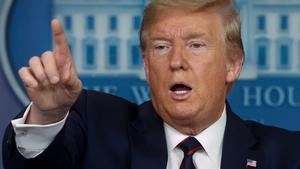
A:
234,67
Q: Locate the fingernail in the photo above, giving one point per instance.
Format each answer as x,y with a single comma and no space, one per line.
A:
54,79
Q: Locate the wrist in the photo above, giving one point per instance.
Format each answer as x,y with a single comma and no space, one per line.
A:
42,117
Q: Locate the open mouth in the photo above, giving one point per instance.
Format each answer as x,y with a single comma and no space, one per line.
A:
180,89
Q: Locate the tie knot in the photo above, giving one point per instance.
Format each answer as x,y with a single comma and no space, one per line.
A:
189,146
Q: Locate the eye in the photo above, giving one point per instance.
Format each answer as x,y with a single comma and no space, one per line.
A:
196,45
161,47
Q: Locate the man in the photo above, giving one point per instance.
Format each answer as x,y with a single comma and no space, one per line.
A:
192,53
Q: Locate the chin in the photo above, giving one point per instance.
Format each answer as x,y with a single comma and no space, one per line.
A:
182,114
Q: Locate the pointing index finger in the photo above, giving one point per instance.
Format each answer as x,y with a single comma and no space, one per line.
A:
61,42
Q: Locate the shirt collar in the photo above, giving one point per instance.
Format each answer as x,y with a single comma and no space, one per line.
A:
211,138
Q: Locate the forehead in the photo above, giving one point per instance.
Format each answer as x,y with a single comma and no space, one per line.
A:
175,22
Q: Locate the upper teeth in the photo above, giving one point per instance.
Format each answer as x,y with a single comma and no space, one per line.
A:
181,92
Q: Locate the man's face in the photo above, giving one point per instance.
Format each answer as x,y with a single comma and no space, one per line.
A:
187,68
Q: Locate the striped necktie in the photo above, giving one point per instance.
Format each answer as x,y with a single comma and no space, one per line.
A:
189,146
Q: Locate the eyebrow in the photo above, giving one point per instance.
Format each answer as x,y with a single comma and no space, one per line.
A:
190,35
160,38
193,35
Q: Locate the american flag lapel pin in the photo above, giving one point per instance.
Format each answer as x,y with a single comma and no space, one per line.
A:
251,163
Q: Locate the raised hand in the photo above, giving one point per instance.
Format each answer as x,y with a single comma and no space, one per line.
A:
51,81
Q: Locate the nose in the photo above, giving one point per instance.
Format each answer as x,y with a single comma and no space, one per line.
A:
178,60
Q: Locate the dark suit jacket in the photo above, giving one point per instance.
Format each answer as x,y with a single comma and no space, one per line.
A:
107,132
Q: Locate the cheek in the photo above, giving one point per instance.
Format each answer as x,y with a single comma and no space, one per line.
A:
155,73
150,68
210,75
156,68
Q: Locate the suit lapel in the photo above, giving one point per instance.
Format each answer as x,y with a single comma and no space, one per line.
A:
239,145
149,148
147,137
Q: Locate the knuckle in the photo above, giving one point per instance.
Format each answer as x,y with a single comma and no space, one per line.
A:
34,60
22,71
47,60
46,55
24,75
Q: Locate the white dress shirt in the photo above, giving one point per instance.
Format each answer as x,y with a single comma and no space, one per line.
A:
211,139
32,140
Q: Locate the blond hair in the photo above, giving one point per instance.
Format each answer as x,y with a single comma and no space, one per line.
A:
227,9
